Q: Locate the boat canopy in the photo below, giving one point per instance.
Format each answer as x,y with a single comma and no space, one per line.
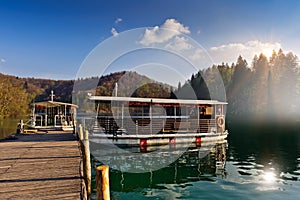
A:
53,104
156,100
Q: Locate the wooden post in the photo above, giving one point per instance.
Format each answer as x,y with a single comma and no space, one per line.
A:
75,130
102,180
80,135
87,163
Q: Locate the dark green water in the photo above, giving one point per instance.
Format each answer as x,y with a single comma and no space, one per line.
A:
7,127
261,163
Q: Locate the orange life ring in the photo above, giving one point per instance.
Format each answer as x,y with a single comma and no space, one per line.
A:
220,121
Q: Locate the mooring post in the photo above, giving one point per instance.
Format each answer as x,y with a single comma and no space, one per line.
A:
87,163
74,123
80,135
20,128
102,180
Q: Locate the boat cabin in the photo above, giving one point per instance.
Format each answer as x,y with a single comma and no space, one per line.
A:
53,115
148,116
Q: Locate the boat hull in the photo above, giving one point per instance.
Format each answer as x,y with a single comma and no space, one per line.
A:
157,139
52,128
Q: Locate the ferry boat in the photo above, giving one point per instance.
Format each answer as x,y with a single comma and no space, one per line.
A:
144,122
53,115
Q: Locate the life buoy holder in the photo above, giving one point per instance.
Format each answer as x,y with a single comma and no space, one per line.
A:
220,122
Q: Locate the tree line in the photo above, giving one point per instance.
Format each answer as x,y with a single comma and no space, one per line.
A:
267,88
16,94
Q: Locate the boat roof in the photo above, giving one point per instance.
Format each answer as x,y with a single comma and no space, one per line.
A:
157,100
53,104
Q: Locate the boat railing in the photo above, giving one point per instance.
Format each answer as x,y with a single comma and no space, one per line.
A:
59,120
136,125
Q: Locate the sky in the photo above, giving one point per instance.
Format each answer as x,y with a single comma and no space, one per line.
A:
54,39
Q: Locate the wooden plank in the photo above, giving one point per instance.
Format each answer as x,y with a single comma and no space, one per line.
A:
40,166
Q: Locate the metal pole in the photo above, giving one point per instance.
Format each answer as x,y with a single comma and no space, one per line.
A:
46,112
186,112
175,111
122,115
98,106
198,117
150,112
66,111
136,127
116,89
33,117
21,126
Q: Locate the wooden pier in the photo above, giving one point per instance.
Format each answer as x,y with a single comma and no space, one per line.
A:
41,166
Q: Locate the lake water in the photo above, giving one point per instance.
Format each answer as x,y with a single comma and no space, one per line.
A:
8,126
259,163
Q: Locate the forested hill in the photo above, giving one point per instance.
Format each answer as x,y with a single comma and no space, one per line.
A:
266,88
16,93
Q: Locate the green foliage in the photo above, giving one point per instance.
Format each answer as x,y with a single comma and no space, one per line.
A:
268,89
13,97
239,89
131,84
152,90
16,93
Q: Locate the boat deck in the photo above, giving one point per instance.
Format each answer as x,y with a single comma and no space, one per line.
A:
40,166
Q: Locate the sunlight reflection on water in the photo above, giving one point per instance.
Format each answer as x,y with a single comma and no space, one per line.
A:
269,177
256,167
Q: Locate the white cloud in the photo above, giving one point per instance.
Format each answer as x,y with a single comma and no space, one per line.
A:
230,52
118,20
170,35
2,60
179,44
114,32
198,55
165,32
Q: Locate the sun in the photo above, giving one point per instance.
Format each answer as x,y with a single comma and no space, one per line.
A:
267,52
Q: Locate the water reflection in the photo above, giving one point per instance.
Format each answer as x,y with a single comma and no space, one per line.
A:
269,177
266,159
196,164
7,127
259,163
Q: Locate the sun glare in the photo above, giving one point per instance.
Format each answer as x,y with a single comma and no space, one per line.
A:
267,52
269,177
